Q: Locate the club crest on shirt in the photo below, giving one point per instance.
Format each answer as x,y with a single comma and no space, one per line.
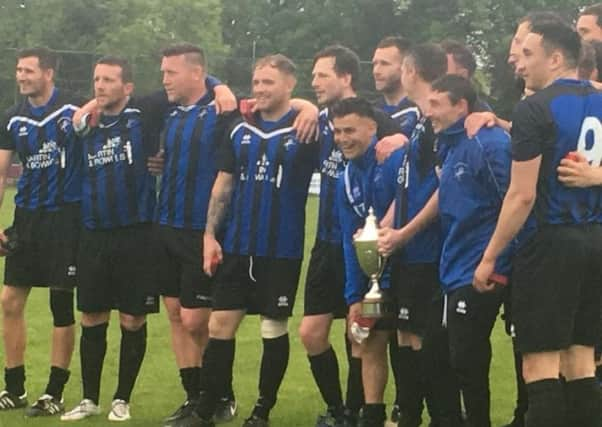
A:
460,169
64,123
289,141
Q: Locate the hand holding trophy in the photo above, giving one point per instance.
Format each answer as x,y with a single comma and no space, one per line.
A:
375,304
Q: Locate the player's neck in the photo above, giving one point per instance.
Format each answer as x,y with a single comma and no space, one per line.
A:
420,94
195,95
276,113
562,74
395,97
348,93
116,108
42,98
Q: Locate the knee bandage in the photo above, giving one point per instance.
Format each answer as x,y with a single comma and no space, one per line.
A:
272,328
61,306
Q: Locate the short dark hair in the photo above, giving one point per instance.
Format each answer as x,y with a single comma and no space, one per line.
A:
429,60
461,54
280,62
457,88
587,60
193,53
346,61
558,36
537,17
127,72
353,105
593,10
47,58
401,43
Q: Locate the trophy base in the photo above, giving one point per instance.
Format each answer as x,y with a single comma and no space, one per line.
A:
376,309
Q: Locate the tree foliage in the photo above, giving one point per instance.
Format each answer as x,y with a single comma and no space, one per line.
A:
235,31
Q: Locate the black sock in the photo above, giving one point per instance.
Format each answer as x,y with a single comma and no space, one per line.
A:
217,369
546,404
56,382
190,378
92,348
354,399
583,402
394,361
374,414
229,391
131,354
274,362
325,368
412,384
14,379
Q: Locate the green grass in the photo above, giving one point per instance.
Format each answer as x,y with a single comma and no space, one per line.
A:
158,391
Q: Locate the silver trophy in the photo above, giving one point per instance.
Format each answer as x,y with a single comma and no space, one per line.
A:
375,303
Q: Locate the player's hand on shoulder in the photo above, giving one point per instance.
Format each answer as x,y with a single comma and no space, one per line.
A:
87,116
225,100
156,163
388,145
474,122
306,122
212,254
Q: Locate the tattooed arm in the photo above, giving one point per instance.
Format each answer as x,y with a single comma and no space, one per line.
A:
221,195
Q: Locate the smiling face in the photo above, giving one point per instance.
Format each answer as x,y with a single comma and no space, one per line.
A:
272,88
535,63
353,134
32,80
328,86
386,69
442,112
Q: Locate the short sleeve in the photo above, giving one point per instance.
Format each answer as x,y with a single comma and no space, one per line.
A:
531,128
6,141
226,158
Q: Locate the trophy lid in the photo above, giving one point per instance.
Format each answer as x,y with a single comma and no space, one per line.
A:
370,230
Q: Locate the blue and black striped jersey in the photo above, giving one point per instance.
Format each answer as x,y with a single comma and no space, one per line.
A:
271,171
563,117
118,190
406,114
44,139
192,135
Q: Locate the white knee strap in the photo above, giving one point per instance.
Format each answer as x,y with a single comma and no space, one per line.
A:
271,328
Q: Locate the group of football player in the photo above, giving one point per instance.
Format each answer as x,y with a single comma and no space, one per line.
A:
474,212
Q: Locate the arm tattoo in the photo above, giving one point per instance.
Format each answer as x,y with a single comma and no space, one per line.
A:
219,203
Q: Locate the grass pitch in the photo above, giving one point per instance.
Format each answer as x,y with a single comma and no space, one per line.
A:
158,391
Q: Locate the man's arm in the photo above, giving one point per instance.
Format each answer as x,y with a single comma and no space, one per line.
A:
475,121
306,122
390,239
5,161
517,206
225,100
221,194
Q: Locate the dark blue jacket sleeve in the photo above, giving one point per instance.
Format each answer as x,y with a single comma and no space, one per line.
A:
355,279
